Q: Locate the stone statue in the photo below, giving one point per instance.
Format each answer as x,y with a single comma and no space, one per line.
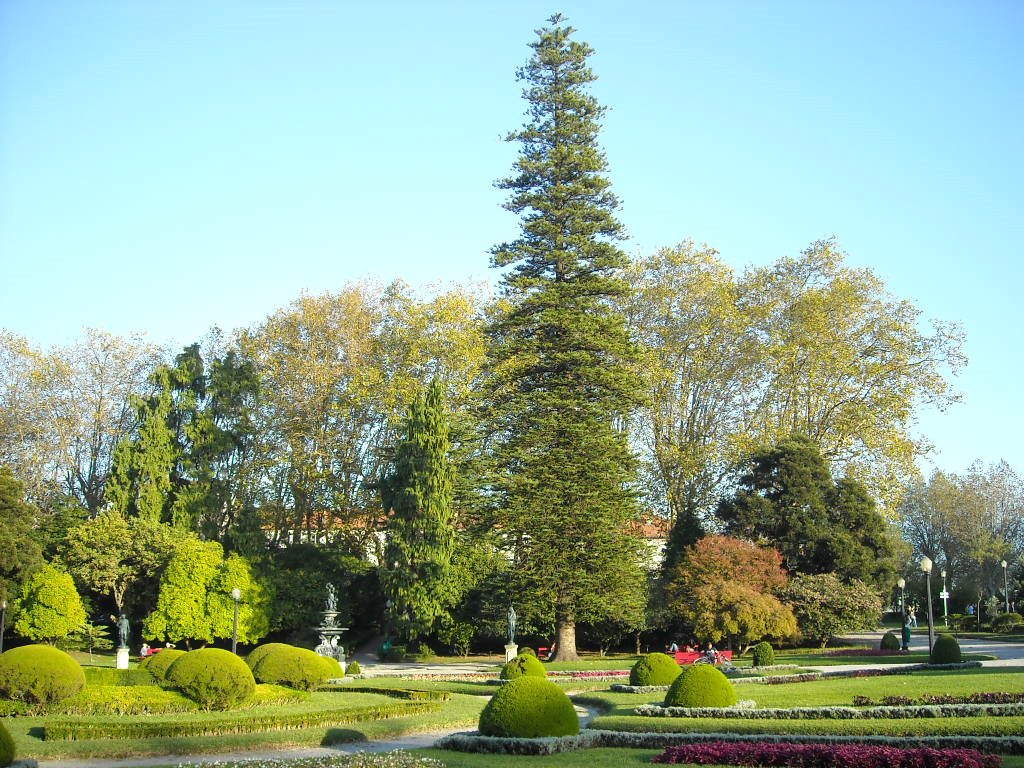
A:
123,630
332,598
511,624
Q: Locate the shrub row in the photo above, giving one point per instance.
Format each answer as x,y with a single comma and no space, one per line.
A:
121,700
825,756
396,693
647,740
111,676
75,730
836,713
930,698
6,746
9,708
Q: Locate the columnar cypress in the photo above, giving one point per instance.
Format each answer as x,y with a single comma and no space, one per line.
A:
418,494
561,362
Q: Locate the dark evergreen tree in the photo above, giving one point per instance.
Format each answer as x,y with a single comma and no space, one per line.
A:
561,362
20,549
788,499
417,575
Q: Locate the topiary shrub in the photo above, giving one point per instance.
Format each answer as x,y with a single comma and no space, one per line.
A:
946,650
701,685
333,667
889,642
353,668
294,667
764,655
213,678
529,707
257,653
6,747
527,651
39,675
523,666
158,664
654,669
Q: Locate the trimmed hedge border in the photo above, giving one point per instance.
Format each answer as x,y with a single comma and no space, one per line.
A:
471,742
76,730
835,713
397,693
906,669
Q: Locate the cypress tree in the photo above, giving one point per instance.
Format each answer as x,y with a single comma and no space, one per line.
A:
561,362
421,537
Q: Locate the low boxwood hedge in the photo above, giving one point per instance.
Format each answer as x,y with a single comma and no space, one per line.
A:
124,700
6,747
111,676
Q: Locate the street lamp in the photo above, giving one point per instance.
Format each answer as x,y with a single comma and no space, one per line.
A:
3,622
944,594
926,566
1006,587
901,583
237,594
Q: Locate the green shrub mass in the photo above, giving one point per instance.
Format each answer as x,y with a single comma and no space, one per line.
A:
111,676
353,668
701,686
528,708
124,700
39,674
214,678
333,666
6,746
523,666
889,642
764,655
256,654
654,669
292,666
946,650
158,664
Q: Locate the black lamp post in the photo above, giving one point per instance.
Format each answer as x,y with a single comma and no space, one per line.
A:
237,594
3,623
926,566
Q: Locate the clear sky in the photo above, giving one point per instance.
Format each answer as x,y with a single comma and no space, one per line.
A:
170,165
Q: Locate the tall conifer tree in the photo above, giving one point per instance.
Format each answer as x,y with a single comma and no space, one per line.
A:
421,537
561,362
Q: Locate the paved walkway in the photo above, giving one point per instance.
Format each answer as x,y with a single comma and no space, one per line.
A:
1010,655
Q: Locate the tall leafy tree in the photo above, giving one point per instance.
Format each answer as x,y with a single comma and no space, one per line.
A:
421,537
181,611
561,361
50,607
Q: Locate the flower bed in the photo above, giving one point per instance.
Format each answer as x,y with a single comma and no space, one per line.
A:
835,713
825,756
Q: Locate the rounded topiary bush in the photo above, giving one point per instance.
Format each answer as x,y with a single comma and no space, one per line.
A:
6,746
294,667
889,642
333,667
527,651
523,666
39,674
654,669
764,655
701,685
158,664
529,707
213,678
353,668
946,650
256,654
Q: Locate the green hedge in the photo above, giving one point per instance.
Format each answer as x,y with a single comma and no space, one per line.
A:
39,675
215,678
397,693
292,666
77,730
111,676
6,746
158,664
124,700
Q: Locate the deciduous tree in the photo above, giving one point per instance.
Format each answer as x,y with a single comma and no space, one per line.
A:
49,607
825,606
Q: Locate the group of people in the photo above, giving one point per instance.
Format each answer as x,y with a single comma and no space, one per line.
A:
709,651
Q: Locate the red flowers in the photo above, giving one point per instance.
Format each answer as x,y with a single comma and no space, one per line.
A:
824,756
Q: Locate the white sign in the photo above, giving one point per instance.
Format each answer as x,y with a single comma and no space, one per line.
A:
944,594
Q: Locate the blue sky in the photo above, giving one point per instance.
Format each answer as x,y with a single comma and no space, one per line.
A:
170,166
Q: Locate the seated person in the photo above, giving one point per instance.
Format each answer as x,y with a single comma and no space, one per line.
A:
144,650
674,647
551,652
710,653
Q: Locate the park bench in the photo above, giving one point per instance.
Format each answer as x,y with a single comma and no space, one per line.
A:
688,657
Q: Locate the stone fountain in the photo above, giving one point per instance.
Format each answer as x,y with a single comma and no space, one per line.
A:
329,630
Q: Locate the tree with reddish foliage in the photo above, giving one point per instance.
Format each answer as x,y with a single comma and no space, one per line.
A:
724,588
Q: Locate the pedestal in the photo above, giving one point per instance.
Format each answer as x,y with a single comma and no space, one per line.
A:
122,658
511,651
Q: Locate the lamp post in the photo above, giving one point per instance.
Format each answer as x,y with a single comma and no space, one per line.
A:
926,566
3,622
901,583
237,594
1006,587
944,594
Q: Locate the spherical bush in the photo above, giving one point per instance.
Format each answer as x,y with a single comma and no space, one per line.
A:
764,655
529,707
333,667
213,678
6,747
39,674
654,669
158,664
946,650
353,668
701,685
294,667
527,651
256,654
889,642
523,666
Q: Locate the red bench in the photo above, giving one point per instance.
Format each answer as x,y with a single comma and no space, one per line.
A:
688,657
